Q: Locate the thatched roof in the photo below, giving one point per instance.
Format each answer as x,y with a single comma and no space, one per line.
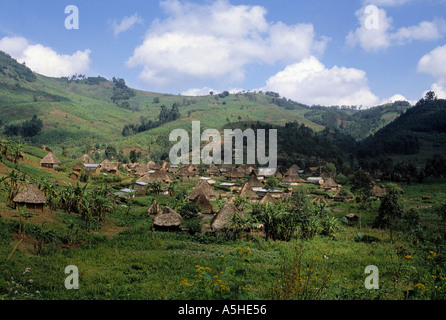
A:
165,166
50,158
293,178
153,166
377,191
234,173
254,182
110,166
247,192
154,208
167,218
86,159
203,187
30,194
213,169
157,176
292,170
268,198
329,183
204,204
140,169
78,166
223,218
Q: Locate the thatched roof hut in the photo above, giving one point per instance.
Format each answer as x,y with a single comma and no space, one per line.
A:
31,196
168,219
213,170
153,166
268,198
204,204
203,187
140,169
292,170
247,192
50,161
157,176
292,179
86,159
234,174
254,182
378,192
223,218
111,167
154,209
330,184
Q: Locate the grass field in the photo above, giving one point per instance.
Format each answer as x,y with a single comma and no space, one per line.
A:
125,260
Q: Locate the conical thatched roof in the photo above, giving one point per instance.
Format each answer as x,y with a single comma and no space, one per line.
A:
165,166
78,166
204,204
157,176
213,169
378,192
167,218
293,178
329,183
86,159
234,174
203,187
268,198
30,194
223,218
292,170
153,166
247,192
154,208
140,169
254,182
50,158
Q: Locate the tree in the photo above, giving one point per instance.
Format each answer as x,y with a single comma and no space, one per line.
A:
330,170
362,184
271,183
391,209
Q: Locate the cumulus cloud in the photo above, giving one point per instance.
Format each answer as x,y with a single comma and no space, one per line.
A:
312,83
45,60
434,63
126,23
217,42
376,31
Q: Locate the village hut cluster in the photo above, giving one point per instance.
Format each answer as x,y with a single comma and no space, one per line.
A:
211,183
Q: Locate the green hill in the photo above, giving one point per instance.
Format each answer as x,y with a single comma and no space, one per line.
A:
78,114
420,132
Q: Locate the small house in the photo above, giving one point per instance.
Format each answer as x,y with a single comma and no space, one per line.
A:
167,220
50,161
31,197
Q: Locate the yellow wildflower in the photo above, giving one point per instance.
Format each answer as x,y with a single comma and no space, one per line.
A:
420,286
408,256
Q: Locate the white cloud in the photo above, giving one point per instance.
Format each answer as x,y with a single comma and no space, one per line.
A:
196,92
45,60
216,42
126,23
310,82
434,63
397,97
377,32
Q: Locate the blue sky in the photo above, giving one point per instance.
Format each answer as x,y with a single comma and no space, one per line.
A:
315,52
